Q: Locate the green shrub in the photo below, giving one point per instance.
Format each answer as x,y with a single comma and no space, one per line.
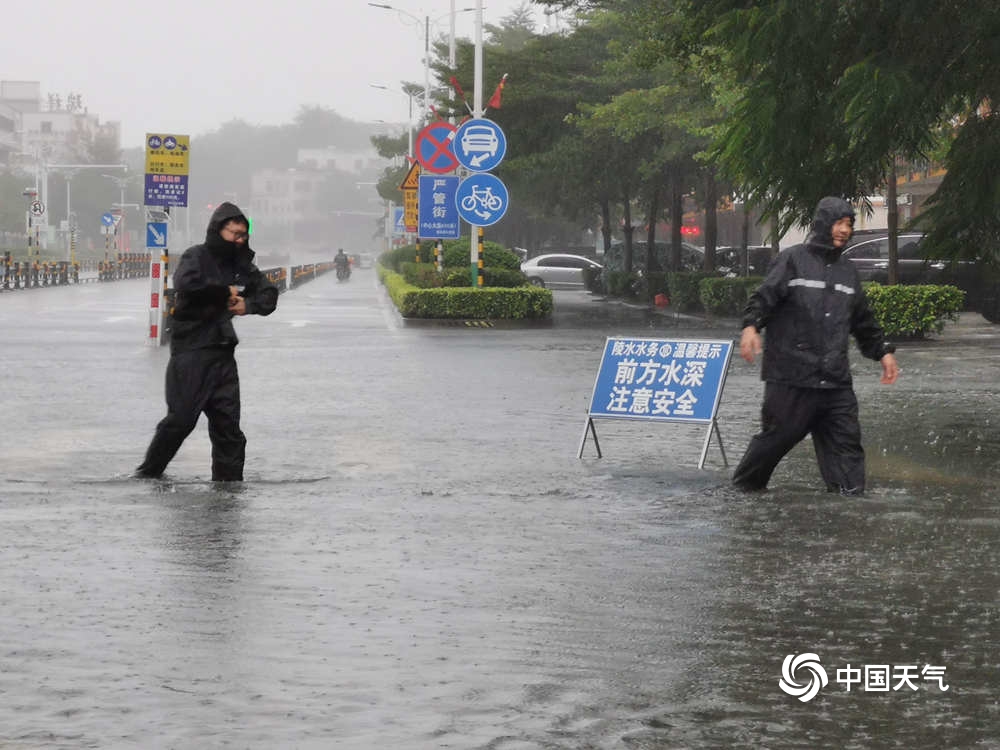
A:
423,275
426,276
727,297
656,283
912,311
455,253
458,253
488,303
622,284
683,289
593,279
492,277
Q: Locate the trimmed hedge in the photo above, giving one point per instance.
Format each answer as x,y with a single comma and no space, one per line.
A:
456,254
727,297
902,311
684,289
426,276
488,303
912,311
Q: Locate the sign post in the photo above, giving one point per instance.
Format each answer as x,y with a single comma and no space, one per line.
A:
660,380
166,186
482,199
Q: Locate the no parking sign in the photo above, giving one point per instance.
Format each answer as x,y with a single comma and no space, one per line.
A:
433,149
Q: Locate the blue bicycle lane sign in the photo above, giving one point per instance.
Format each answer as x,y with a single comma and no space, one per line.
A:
482,199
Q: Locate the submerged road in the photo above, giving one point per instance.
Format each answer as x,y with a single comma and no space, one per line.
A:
419,560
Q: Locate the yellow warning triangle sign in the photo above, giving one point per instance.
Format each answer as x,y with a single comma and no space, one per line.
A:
411,182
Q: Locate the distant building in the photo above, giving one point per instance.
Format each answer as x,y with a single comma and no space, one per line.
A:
57,129
319,204
284,204
356,162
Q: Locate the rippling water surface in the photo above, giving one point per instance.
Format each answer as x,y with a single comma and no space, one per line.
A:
419,560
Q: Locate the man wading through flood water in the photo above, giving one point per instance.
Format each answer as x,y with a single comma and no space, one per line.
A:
810,303
213,282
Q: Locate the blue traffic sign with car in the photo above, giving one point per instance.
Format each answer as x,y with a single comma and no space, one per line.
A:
480,144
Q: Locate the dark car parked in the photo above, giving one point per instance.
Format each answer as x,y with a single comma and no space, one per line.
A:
729,259
870,255
869,252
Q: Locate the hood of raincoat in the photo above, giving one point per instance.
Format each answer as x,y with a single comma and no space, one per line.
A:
219,247
829,211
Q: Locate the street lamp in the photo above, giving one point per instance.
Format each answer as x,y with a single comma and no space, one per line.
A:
427,20
409,121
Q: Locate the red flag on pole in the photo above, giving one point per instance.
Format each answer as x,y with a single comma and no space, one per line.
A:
458,90
494,102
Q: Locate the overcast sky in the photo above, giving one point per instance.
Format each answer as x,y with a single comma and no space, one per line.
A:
187,66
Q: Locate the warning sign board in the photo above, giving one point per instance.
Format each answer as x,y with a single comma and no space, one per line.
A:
409,186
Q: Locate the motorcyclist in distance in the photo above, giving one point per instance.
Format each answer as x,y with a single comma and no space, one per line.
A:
342,263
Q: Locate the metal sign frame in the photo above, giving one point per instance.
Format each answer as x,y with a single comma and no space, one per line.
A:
660,380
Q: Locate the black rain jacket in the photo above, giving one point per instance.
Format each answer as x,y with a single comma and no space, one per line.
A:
201,316
811,302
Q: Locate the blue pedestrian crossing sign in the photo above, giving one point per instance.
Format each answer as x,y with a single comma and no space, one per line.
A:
107,220
480,144
156,234
398,221
482,199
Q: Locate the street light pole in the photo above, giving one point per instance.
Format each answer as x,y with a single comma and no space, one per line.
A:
427,20
451,36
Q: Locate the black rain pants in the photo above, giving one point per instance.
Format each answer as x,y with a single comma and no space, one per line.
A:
201,380
789,414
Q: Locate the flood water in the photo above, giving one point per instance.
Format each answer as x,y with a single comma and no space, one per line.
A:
419,559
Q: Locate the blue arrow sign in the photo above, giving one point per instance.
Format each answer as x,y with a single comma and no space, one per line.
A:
480,144
482,199
437,213
107,220
156,234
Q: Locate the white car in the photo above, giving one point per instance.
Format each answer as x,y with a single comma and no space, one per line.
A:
558,270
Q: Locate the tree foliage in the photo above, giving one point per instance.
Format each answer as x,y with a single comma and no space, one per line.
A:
821,97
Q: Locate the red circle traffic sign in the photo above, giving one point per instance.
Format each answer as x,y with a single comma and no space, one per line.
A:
433,149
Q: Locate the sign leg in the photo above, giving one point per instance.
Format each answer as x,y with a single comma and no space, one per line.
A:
718,436
714,427
589,427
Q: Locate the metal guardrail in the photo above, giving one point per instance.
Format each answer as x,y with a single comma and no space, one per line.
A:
16,275
29,274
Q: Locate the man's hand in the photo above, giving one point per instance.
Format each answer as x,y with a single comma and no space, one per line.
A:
237,305
890,370
751,344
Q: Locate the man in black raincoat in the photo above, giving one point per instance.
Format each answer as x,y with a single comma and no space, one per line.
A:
213,282
811,302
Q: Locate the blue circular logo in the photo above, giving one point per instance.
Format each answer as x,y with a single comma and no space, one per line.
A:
154,141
